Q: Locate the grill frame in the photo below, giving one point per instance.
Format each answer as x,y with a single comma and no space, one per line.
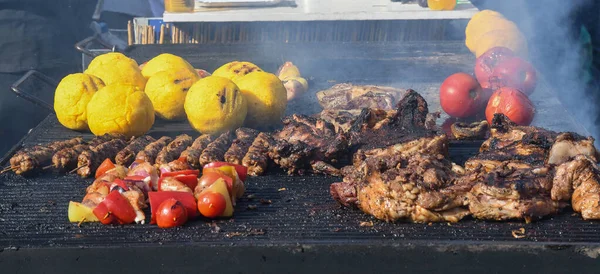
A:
35,229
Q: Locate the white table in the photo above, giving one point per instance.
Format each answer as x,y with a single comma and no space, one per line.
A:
324,10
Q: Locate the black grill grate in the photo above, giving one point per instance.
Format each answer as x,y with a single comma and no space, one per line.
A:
33,212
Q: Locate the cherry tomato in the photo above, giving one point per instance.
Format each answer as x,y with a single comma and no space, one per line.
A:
171,213
185,198
485,64
211,204
516,73
461,96
104,167
512,103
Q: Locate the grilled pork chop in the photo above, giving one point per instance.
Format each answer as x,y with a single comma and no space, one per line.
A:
348,96
426,189
513,193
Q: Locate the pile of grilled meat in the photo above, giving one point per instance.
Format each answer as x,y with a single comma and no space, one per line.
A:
520,172
393,159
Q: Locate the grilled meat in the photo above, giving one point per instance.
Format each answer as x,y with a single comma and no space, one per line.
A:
316,135
256,159
239,147
66,158
172,184
137,200
174,165
347,96
127,155
173,149
89,160
567,145
151,150
215,151
427,189
320,167
192,153
508,193
145,170
341,119
579,181
464,131
407,124
31,159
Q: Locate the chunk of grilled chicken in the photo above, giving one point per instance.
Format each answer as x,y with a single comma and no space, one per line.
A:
427,189
568,145
508,193
579,181
349,96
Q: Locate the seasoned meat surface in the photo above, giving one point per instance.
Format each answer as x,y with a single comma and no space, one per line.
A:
239,147
349,96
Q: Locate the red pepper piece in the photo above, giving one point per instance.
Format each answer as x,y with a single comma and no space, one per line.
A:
185,198
122,184
115,209
135,178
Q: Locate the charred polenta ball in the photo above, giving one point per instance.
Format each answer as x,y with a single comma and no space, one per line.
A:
267,99
72,95
215,105
164,62
120,108
167,91
115,67
235,69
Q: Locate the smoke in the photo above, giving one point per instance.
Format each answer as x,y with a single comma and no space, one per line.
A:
556,52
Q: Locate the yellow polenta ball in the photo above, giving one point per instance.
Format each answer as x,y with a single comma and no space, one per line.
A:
115,67
235,69
120,108
214,105
71,97
266,96
163,62
167,90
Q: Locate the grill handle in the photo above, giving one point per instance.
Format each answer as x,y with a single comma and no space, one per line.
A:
82,46
18,90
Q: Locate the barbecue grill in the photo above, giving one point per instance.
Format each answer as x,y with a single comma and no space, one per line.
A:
285,222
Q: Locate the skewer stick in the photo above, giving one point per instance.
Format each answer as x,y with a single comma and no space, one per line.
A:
47,167
161,38
130,32
9,169
75,170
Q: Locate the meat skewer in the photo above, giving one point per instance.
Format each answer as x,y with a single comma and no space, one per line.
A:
244,138
173,149
90,159
192,153
32,159
127,155
256,159
215,151
66,158
151,150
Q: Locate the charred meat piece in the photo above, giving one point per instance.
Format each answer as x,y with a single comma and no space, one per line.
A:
313,134
257,159
407,124
151,150
579,181
33,159
175,165
192,153
320,167
348,96
568,145
293,157
508,193
472,131
215,151
89,160
239,147
173,149
396,193
127,155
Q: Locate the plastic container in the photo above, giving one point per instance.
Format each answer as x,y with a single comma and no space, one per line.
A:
179,5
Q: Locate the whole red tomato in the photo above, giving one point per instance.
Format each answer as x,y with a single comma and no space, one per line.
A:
516,73
461,96
485,64
512,103
171,213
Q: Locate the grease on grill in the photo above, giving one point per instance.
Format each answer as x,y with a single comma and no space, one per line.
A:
251,232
